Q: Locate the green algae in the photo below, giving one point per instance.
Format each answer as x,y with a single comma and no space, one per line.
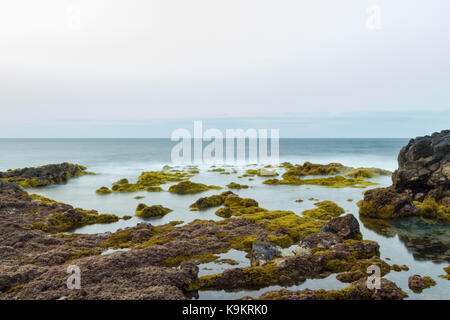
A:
150,181
331,182
126,239
61,222
325,210
144,211
188,187
185,256
233,185
103,190
34,182
368,173
429,208
446,276
83,253
208,202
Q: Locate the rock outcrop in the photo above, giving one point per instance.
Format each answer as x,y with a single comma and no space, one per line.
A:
420,185
43,175
424,167
417,283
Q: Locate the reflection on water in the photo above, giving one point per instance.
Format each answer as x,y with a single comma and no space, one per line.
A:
425,239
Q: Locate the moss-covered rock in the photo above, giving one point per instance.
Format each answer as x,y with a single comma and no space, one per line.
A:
233,185
331,182
188,187
446,276
144,211
325,210
103,190
44,175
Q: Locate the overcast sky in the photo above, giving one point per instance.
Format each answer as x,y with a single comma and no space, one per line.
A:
98,64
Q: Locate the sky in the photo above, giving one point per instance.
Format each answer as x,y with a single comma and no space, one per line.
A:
142,68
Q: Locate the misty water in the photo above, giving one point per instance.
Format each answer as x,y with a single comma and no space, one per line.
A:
424,246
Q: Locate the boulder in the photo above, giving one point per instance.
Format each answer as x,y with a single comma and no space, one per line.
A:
424,166
345,227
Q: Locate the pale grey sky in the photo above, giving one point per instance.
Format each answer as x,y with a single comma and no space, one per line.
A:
143,60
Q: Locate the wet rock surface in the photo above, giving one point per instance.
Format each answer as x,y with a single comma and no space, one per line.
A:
357,291
162,261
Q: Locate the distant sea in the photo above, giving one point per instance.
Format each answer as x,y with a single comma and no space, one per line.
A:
129,153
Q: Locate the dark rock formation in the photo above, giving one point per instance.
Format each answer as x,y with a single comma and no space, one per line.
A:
43,175
420,185
424,167
345,227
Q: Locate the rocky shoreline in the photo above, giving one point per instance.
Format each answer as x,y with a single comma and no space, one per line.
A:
162,261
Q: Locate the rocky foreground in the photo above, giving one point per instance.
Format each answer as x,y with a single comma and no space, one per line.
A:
162,261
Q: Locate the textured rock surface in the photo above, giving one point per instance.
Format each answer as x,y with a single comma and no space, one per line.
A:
417,283
357,291
345,227
43,175
424,166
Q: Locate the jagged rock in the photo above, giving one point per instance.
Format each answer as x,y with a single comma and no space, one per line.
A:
345,227
423,166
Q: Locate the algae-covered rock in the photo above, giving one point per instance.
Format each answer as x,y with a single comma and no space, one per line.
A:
367,173
43,175
103,190
331,182
446,276
144,211
424,166
233,185
357,291
417,283
325,210
188,187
